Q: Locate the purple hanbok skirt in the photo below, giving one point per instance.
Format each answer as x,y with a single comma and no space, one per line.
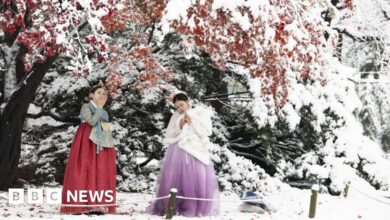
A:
191,178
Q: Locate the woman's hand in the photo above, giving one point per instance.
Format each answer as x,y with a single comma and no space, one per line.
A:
182,122
187,118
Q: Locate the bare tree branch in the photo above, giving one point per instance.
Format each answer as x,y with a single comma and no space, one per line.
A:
151,34
146,161
55,116
140,110
364,38
223,95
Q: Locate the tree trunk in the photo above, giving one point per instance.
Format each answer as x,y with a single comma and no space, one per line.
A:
2,73
11,122
339,48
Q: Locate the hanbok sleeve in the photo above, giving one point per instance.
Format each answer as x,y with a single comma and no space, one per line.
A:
201,122
173,129
88,116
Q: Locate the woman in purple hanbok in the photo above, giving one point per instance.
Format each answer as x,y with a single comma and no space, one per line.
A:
187,165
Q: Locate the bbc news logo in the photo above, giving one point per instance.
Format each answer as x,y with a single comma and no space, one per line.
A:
34,196
54,196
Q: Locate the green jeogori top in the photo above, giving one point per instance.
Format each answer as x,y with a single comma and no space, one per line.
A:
98,118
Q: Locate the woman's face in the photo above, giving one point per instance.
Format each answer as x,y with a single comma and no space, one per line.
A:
99,95
181,106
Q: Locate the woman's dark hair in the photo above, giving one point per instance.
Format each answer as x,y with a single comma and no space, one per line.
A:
93,89
180,97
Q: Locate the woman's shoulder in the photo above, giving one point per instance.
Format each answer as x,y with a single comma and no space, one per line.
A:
202,110
85,105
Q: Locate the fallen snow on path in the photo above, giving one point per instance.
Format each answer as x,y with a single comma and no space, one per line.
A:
362,202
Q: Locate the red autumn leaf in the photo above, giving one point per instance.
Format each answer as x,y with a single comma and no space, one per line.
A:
197,31
281,26
277,36
199,41
101,59
18,21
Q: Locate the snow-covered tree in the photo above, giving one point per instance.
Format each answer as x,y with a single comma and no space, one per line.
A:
38,33
297,105
35,34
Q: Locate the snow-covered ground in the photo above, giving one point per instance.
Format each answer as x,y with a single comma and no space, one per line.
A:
362,202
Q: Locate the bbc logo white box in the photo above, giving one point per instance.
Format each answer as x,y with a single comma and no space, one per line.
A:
16,196
53,196
35,196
